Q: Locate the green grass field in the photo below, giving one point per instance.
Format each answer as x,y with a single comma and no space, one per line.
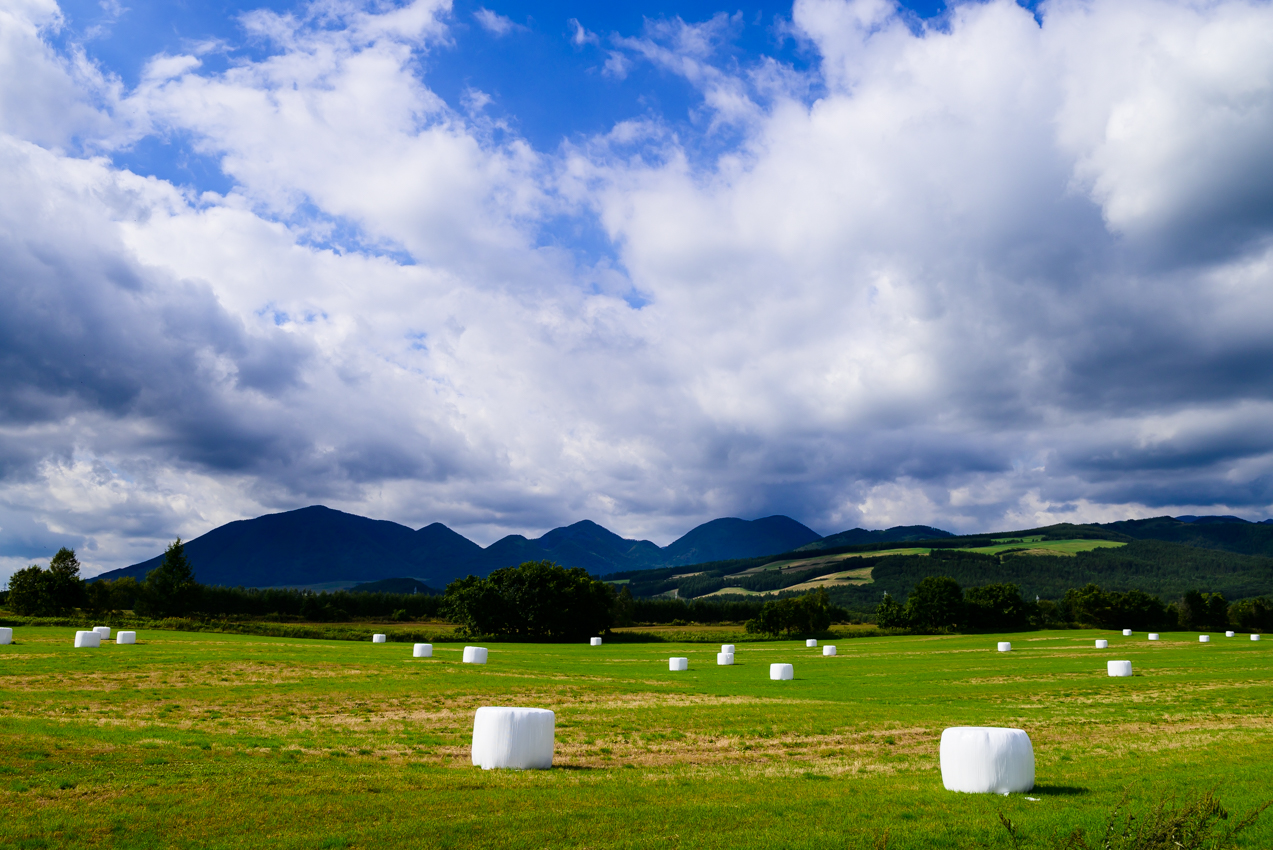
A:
208,740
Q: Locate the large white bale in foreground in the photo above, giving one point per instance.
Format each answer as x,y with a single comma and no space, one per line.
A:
1153,635
474,655
1118,668
828,650
377,638
724,659
1255,637
594,641
422,650
1101,643
727,647
780,672
125,638
104,631
986,760
88,639
518,738
6,636
678,664
1005,646
1127,632
1204,638
810,643
1228,634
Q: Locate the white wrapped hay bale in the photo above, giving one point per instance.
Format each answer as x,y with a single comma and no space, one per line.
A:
125,638
517,738
6,636
781,672
986,760
1101,643
678,664
377,638
727,647
724,659
474,655
422,650
87,639
1228,634
1255,637
1153,635
1204,638
594,642
810,643
828,650
1127,632
1118,668
1005,646
104,631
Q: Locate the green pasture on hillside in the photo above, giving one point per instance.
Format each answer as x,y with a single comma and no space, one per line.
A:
1051,547
198,740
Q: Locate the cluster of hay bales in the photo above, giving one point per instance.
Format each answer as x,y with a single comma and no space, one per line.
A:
986,760
517,738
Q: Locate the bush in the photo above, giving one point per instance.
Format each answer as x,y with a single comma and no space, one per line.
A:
808,614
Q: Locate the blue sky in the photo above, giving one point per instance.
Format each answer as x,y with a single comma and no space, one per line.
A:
510,266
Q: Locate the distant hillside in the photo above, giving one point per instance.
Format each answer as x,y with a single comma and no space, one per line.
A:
318,545
395,585
896,534
1227,533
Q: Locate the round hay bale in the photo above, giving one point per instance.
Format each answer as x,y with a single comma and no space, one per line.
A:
6,636
1204,638
1101,643
378,638
515,738
678,664
422,650
594,641
88,640
1118,668
474,655
1228,634
724,659
104,631
1005,646
986,760
1255,637
1153,635
1127,632
810,643
125,638
828,650
781,672
727,647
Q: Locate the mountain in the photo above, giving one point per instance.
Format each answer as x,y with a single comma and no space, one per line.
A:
1241,537
896,534
320,546
1210,520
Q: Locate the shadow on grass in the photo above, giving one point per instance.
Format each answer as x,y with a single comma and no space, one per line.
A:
1058,790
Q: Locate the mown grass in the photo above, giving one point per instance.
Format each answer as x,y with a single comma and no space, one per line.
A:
215,740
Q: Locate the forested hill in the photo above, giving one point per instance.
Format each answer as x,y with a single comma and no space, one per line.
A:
1227,533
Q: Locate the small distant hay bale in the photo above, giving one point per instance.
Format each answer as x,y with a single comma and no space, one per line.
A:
781,672
1228,634
594,642
1204,638
676,665
1127,632
104,631
87,640
378,638
422,650
727,647
125,638
810,643
1118,668
1255,637
986,760
514,738
1101,643
828,650
6,636
1153,635
1005,646
474,655
724,659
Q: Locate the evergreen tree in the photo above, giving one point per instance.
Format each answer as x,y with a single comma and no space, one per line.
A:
171,590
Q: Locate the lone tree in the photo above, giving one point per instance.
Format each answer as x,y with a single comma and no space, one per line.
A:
936,604
537,600
170,589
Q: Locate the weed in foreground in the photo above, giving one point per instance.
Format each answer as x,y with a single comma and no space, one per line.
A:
1199,823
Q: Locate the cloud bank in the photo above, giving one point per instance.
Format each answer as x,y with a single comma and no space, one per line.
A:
988,271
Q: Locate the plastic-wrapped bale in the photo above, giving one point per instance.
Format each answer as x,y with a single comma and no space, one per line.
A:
1005,646
517,738
6,636
104,631
474,655
727,647
1102,644
1127,632
87,639
678,664
986,760
1118,668
724,659
828,650
377,638
594,641
1228,634
1255,637
422,650
1204,638
1153,635
781,672
125,638
810,643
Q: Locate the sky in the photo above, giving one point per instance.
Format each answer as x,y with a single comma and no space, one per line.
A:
984,266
